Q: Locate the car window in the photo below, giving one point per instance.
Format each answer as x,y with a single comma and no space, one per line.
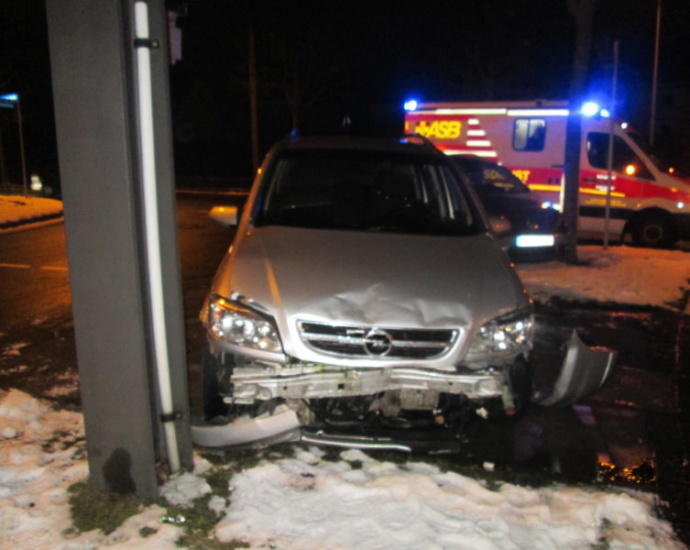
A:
625,160
491,178
529,134
363,191
502,180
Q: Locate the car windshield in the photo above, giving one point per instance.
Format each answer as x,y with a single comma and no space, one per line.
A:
366,191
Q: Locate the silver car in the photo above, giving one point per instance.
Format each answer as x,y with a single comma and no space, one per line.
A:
364,302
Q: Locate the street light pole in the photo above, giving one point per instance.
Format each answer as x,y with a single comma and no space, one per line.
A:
14,98
652,116
21,145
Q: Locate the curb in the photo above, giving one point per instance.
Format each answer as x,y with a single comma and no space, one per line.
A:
29,221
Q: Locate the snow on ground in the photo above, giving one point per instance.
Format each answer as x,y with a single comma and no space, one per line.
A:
359,502
620,274
308,502
18,208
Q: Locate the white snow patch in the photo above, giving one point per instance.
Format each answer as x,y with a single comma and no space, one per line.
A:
15,208
299,504
620,274
307,502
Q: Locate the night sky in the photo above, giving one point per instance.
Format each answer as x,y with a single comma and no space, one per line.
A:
319,61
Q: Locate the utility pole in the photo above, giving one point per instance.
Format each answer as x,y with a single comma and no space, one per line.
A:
253,111
111,95
655,75
9,101
582,11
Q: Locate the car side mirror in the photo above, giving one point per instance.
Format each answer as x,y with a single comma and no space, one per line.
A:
224,215
500,225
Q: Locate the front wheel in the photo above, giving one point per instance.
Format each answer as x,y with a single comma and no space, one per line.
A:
520,384
654,231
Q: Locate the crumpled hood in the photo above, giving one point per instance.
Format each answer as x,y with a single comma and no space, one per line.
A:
371,279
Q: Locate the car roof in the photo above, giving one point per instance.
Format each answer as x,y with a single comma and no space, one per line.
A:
413,145
472,160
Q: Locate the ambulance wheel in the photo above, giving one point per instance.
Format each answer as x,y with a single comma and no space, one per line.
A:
654,230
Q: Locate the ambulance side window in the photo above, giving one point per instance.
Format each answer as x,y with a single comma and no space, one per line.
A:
625,161
529,134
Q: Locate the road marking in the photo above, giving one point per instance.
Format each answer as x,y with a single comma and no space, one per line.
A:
17,266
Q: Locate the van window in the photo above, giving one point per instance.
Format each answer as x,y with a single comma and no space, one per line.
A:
625,161
529,134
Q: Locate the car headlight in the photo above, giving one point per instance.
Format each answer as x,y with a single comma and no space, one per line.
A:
513,332
534,241
237,324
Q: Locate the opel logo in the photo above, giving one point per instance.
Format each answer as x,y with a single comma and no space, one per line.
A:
378,342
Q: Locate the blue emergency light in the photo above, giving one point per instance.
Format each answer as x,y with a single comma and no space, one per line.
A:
9,101
590,109
410,105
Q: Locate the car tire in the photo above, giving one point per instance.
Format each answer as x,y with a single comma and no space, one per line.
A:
521,386
213,406
653,230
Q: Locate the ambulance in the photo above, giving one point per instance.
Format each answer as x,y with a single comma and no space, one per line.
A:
631,197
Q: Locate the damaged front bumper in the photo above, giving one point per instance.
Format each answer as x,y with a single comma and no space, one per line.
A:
584,371
352,382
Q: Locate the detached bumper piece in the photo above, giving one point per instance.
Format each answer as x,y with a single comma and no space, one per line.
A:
259,433
277,428
439,441
584,371
284,427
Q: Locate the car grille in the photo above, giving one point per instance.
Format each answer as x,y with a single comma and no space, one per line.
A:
391,343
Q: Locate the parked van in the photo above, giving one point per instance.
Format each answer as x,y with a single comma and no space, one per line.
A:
642,200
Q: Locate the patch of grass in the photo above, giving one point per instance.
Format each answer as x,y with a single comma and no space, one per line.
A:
395,457
146,532
331,454
80,453
99,510
199,519
60,441
235,460
603,542
282,450
219,481
198,522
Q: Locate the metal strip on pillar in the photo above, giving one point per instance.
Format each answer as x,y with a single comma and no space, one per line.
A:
143,44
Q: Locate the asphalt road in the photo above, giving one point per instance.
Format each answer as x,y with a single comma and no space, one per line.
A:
634,432
36,328
33,271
